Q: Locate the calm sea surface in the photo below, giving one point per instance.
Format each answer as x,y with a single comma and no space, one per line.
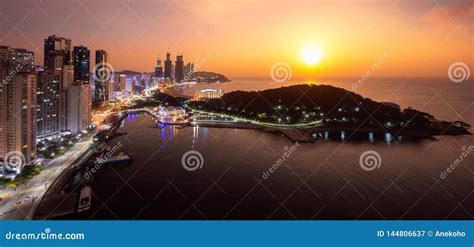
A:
322,180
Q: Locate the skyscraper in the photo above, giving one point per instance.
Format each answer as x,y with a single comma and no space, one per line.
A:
17,102
179,69
81,64
48,104
188,71
168,67
58,66
67,81
122,80
21,60
87,105
111,88
57,52
158,69
79,107
101,79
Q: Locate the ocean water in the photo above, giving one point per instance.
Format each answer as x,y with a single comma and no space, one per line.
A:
321,180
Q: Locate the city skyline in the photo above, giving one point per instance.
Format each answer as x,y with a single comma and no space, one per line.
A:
135,34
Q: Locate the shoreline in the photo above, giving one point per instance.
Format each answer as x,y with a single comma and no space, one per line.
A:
295,135
305,135
54,190
58,183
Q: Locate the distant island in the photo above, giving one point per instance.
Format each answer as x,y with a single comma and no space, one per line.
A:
327,106
207,77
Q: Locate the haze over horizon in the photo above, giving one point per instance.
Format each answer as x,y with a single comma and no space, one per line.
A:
245,38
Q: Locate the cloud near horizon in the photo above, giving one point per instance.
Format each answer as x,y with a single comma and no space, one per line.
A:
452,15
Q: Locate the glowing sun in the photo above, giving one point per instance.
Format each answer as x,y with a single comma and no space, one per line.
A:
311,55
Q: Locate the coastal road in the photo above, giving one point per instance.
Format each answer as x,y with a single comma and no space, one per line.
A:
20,203
265,124
316,123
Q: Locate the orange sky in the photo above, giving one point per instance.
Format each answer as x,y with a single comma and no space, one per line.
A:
246,37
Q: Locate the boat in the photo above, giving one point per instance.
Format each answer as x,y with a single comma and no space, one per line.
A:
119,159
104,160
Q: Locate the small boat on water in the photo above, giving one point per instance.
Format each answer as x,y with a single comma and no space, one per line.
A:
120,158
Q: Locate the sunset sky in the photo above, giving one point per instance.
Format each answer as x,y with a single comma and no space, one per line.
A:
246,37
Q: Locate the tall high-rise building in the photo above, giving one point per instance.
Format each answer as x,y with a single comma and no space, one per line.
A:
130,86
116,83
158,69
58,67
48,104
17,102
74,122
57,52
81,64
21,60
111,88
79,108
188,70
122,82
179,69
168,67
87,105
101,79
67,81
